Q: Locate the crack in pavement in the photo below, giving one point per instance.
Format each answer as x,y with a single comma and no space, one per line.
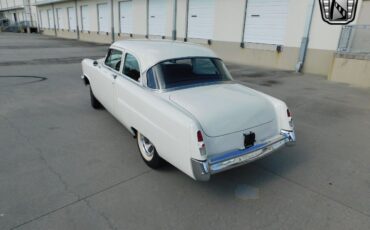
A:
108,221
65,184
42,158
83,198
38,79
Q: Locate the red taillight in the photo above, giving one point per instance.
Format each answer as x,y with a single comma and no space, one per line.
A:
201,145
288,113
200,136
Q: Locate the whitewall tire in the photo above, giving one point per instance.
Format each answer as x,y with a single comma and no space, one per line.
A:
148,152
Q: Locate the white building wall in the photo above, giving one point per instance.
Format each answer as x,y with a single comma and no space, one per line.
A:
227,30
228,24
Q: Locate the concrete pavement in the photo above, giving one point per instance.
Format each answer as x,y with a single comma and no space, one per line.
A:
64,165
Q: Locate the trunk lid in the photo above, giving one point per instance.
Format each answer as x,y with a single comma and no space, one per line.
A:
222,109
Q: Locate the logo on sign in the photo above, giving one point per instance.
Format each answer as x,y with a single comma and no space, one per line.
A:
338,12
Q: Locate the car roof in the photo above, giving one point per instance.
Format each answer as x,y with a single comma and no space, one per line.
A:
151,52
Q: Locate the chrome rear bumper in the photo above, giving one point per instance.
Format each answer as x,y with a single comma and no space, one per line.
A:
203,170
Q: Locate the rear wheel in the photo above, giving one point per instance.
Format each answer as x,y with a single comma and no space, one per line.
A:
148,152
94,102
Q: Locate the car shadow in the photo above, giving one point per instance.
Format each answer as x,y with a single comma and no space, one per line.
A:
246,181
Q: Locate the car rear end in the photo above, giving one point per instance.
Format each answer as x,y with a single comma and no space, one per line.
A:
224,152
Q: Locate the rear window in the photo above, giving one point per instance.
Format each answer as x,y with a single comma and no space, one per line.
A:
187,71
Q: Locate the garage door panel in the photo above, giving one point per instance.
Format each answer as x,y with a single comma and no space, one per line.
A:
84,18
126,18
157,17
201,19
50,18
44,19
103,19
71,18
59,18
266,21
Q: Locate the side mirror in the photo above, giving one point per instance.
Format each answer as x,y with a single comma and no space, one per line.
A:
95,63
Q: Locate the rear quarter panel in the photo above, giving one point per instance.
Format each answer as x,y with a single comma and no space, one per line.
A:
171,131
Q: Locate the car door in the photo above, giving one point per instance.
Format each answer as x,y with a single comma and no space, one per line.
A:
127,89
108,72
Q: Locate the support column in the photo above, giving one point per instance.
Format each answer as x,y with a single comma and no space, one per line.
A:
112,20
55,27
244,21
38,19
174,21
77,27
147,19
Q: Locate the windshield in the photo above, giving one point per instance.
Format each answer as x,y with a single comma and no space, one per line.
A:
186,71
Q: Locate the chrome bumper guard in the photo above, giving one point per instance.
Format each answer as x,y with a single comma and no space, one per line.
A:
203,170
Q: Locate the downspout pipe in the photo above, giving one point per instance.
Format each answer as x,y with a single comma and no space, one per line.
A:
77,27
147,19
38,19
112,19
174,20
187,21
305,38
55,27
244,21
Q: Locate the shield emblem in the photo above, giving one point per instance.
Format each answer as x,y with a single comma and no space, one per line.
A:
338,12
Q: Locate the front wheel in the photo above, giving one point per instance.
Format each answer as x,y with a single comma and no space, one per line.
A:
94,102
148,152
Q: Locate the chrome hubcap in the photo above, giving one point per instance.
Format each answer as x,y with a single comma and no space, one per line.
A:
147,148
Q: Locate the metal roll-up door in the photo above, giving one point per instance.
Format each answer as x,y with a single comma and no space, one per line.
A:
125,14
266,21
84,18
103,19
59,18
44,19
157,17
201,19
50,19
71,18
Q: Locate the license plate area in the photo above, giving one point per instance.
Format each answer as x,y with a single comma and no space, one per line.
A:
249,139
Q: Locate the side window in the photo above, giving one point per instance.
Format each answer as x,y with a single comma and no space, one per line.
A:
131,67
113,59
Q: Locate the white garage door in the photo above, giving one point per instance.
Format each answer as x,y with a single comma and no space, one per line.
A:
51,19
71,18
59,18
125,13
103,20
157,17
21,16
201,18
266,21
44,19
84,18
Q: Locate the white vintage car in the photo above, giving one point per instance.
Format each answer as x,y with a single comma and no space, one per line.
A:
182,105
